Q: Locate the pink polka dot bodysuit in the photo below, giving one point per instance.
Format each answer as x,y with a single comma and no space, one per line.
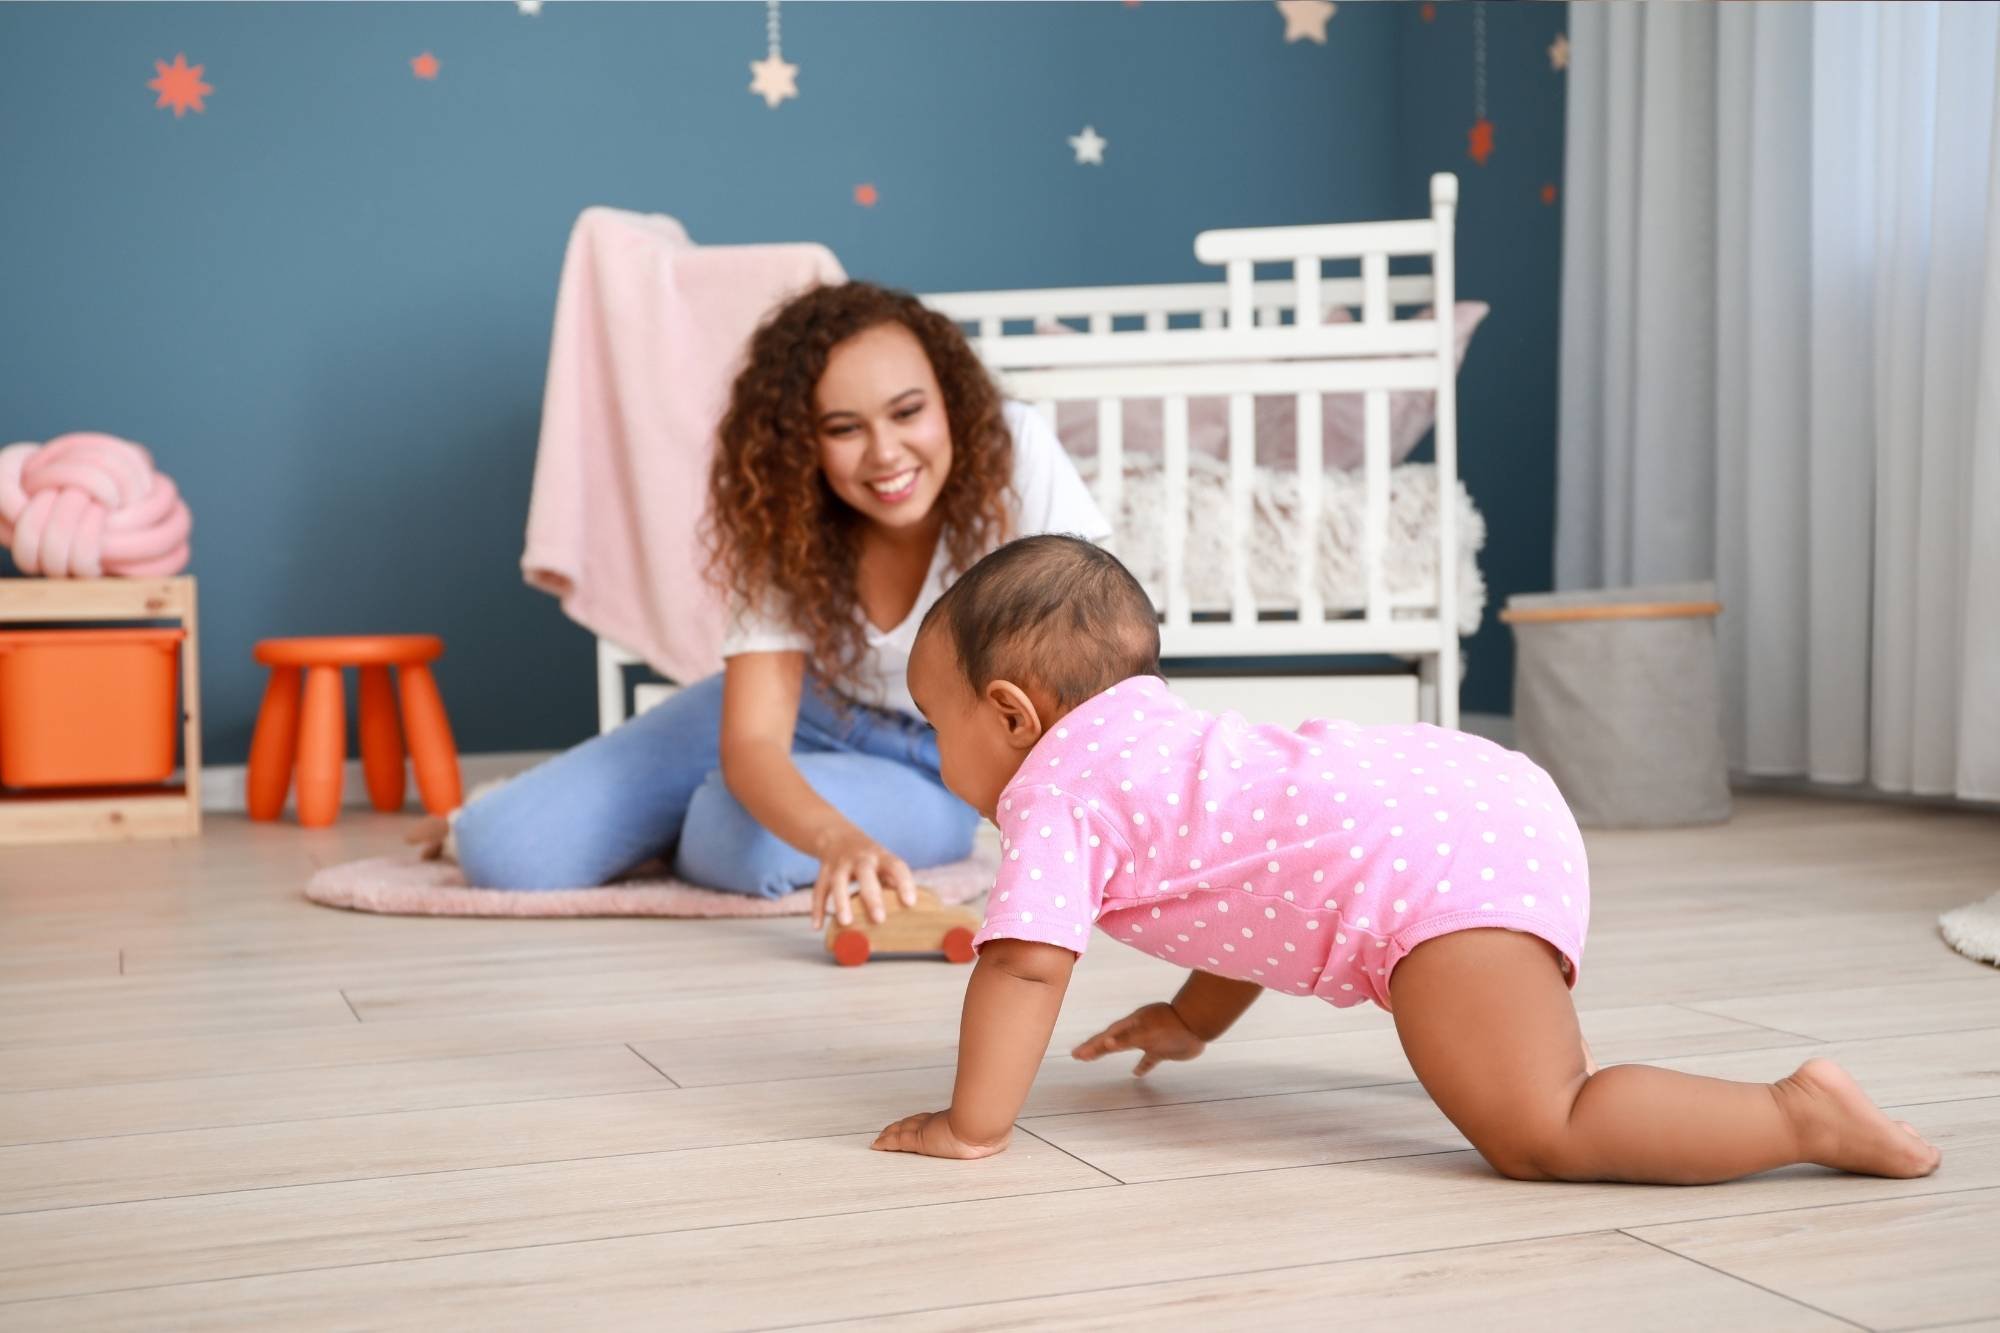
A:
1307,861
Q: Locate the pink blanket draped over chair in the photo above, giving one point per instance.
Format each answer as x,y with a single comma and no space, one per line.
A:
650,331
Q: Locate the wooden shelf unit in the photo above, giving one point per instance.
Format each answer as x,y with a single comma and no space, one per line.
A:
111,813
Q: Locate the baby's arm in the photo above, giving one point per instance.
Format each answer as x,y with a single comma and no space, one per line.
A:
1206,1007
1011,1005
1210,1005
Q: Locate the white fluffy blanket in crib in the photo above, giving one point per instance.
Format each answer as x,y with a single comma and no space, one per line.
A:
1273,554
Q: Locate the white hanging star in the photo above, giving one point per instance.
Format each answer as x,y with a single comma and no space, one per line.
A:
774,80
1305,20
529,7
1559,52
1089,146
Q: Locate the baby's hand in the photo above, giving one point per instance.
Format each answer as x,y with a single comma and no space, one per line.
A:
929,1133
1155,1030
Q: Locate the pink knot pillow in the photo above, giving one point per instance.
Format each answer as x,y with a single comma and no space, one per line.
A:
86,505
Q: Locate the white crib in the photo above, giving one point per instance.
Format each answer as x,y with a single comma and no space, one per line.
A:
1240,339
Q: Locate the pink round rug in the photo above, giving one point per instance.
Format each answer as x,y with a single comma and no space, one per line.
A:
403,885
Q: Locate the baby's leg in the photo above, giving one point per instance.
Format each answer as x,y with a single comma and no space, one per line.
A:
1487,1022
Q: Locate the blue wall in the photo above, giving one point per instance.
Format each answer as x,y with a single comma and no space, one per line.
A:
324,302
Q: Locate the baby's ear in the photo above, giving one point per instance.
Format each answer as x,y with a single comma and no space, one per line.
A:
1017,713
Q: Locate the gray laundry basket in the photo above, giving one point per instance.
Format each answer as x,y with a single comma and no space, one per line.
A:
1616,695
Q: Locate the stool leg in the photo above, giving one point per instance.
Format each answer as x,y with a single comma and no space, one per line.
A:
381,739
432,753
322,747
273,745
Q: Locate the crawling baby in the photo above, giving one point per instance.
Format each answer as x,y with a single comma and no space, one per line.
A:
1428,871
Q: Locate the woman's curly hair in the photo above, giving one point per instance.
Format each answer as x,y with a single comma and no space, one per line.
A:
778,536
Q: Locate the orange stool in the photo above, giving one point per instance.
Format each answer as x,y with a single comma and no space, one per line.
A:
316,734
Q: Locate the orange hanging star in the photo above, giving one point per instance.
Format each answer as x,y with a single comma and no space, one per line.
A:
424,66
866,195
1549,193
179,85
1428,12
1479,141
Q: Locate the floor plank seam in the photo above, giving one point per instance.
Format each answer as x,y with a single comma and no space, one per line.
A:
536,1245
1738,1277
1231,1273
489,1166
1689,1007
1072,1156
350,1006
650,1065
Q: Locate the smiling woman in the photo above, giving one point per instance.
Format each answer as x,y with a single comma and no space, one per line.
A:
865,461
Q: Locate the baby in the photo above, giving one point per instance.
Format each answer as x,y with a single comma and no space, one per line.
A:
1429,871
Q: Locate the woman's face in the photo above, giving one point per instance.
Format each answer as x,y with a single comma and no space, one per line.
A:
884,437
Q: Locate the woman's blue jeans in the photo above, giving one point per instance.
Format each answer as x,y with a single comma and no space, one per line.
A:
653,788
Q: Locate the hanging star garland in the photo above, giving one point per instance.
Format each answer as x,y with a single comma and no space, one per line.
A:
1479,139
1305,20
1089,146
179,86
772,78
424,66
866,195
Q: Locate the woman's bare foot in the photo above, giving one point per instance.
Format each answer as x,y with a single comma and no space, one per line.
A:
1838,1126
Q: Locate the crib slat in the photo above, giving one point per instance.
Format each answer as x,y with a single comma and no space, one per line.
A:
1178,610
1375,524
1111,462
1211,318
1312,477
1444,209
989,327
1242,287
1270,316
1100,322
1306,303
1375,288
1156,321
1242,470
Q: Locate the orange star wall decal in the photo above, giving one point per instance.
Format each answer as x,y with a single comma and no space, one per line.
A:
424,66
1479,141
866,195
179,86
1549,194
1427,12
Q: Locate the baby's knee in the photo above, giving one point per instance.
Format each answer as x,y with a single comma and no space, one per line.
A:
1539,1147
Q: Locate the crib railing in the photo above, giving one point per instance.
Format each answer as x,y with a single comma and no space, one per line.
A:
1239,339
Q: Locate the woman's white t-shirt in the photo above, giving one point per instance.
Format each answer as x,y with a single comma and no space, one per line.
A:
1047,495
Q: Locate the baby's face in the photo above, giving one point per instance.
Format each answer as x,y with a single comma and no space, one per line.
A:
980,746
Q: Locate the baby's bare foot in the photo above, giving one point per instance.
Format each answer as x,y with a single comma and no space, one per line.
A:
1839,1127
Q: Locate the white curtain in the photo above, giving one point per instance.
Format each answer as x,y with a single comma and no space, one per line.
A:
1781,365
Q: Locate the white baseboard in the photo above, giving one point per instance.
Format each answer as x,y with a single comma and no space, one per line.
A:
222,784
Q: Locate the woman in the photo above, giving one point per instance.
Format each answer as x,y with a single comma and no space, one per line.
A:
865,461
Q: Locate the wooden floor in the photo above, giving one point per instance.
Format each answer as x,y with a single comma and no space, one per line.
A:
223,1107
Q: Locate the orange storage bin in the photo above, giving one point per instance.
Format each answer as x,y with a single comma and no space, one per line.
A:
88,707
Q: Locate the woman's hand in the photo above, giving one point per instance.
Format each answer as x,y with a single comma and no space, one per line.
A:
849,862
1156,1031
930,1134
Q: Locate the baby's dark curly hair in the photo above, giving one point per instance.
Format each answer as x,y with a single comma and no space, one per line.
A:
777,534
1053,611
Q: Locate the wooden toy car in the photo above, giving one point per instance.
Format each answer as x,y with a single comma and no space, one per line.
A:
929,927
